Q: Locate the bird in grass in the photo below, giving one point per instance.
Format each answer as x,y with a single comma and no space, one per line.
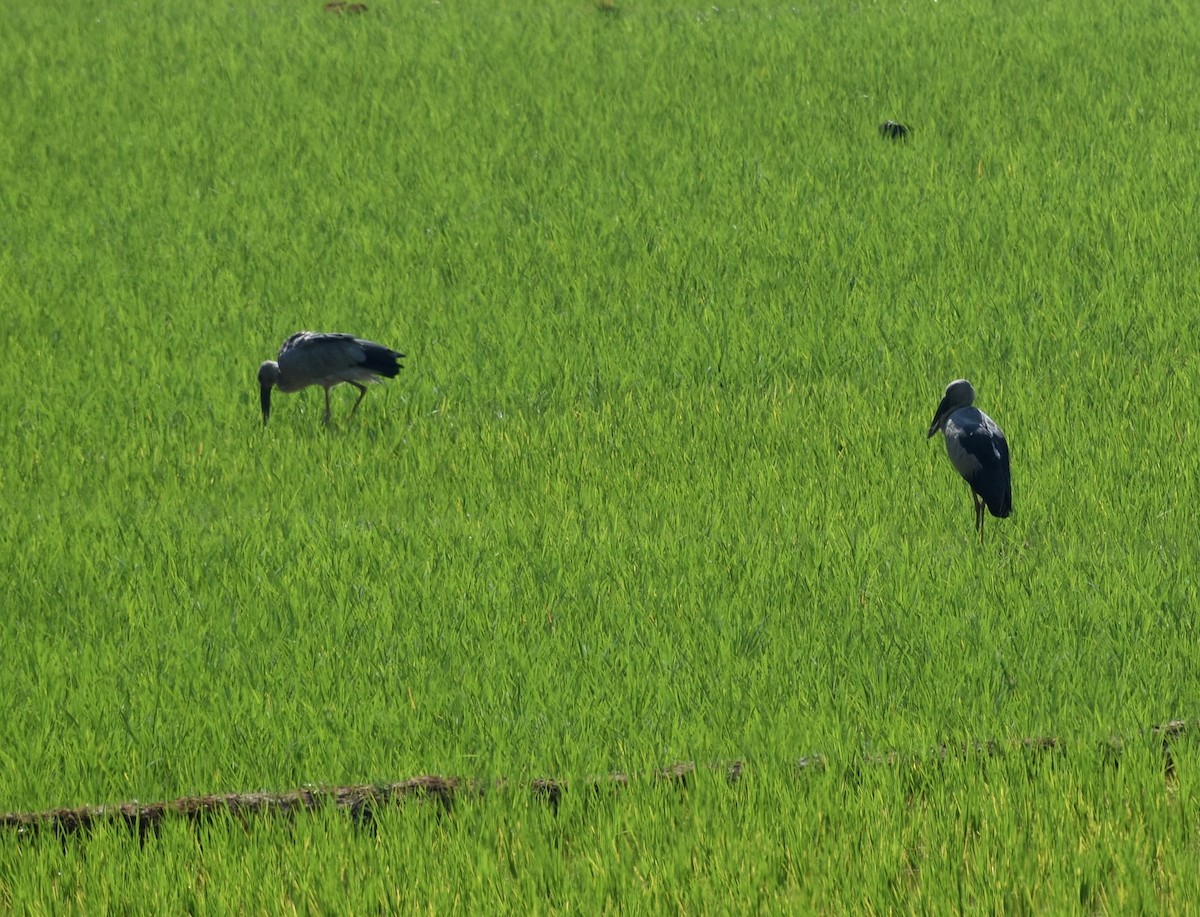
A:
894,130
315,358
976,446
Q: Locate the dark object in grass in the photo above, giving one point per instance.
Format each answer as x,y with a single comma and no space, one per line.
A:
339,7
893,130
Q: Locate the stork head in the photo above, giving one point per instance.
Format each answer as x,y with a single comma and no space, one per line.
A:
959,394
268,375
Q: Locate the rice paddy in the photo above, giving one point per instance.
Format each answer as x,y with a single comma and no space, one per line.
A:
653,486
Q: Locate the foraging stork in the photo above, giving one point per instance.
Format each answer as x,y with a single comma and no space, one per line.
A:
312,358
977,447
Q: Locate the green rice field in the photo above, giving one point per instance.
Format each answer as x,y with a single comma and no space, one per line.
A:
653,486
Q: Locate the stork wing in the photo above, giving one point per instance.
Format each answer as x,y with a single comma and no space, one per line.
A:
990,476
315,355
987,447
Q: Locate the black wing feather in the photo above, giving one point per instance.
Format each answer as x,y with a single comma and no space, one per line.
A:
993,480
380,359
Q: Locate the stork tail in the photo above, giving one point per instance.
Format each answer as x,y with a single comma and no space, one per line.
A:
1000,505
381,360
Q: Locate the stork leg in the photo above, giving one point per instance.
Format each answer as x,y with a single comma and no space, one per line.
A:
362,393
979,507
325,419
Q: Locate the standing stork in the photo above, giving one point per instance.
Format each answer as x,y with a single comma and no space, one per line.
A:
312,358
977,447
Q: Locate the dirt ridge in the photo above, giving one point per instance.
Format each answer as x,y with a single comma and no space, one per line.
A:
359,800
